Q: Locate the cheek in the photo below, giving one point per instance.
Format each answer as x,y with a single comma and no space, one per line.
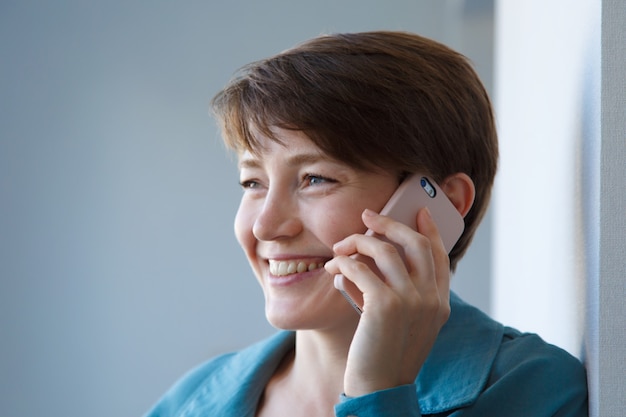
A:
344,218
340,221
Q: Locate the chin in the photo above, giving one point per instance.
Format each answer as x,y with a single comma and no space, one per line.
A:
285,318
297,316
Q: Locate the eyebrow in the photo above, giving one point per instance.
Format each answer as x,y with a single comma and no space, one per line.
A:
297,159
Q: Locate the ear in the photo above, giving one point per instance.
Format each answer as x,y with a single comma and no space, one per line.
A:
460,190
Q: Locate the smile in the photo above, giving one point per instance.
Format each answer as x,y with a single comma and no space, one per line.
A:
283,268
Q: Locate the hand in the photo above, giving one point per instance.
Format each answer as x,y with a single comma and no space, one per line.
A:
403,313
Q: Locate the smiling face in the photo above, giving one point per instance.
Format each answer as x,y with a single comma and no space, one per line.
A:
297,203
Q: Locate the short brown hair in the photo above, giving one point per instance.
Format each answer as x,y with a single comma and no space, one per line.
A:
392,100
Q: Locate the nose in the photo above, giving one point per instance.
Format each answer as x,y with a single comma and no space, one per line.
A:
278,218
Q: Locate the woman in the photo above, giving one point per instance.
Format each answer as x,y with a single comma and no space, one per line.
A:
325,133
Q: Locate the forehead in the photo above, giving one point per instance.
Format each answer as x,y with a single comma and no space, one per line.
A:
287,146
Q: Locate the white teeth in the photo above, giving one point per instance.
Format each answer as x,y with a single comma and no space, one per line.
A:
282,268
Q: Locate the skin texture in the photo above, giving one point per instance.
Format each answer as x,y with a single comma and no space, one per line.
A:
300,205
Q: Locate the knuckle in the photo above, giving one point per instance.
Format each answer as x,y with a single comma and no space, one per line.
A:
432,304
445,317
388,248
445,311
358,267
392,306
414,304
423,243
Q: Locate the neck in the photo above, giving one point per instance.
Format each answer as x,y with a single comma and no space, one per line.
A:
320,359
310,378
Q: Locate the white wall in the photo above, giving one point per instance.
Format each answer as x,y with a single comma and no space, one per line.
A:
542,58
561,199
118,267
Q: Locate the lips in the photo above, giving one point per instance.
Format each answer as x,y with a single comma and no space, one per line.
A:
289,267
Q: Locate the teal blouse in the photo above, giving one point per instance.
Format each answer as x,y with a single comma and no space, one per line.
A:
477,368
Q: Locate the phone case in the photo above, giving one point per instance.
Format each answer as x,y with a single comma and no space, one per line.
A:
414,193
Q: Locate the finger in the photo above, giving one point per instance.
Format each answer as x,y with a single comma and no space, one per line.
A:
416,249
357,272
427,227
381,256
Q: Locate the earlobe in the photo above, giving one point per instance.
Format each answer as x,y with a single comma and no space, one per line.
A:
460,190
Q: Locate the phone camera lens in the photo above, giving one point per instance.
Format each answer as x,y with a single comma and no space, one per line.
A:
428,187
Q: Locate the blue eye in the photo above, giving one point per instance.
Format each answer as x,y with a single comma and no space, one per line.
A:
312,179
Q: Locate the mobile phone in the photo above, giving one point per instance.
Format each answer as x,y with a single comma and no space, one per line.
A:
414,193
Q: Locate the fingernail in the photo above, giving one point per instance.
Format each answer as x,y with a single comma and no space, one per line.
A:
369,213
428,213
338,281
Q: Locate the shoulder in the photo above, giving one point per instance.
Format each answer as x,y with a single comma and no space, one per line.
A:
519,349
224,375
480,367
533,374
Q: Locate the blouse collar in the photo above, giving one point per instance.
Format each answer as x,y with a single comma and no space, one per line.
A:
454,374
